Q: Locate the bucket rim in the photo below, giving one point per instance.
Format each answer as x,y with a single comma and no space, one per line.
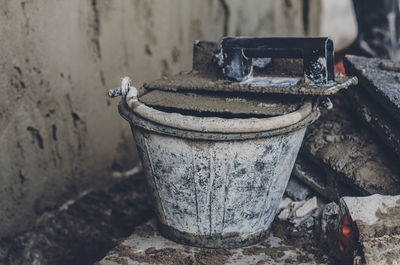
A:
137,121
219,124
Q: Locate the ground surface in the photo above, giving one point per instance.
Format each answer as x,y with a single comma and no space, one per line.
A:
81,232
147,246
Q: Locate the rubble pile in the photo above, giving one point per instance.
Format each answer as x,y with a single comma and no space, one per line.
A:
352,152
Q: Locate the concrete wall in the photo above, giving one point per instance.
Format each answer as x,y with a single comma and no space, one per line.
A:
59,133
274,18
339,22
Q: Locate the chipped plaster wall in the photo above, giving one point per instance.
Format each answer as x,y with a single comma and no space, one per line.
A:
274,18
59,134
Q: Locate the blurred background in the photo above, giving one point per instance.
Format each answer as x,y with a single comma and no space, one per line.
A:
60,135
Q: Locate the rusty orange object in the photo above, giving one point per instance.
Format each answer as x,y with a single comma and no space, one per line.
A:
347,238
346,230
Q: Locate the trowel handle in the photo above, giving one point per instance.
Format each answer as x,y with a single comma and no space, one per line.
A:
317,55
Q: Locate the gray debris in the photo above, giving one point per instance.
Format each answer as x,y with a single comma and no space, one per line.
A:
329,218
374,215
376,99
147,246
303,217
285,202
377,220
308,224
301,214
307,208
329,227
284,214
378,79
285,208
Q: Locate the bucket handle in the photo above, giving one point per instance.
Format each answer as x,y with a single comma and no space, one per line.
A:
129,93
207,124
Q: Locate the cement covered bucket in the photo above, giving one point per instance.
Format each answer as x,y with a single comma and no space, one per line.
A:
217,163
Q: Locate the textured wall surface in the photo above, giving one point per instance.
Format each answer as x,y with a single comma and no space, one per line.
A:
338,21
274,18
59,134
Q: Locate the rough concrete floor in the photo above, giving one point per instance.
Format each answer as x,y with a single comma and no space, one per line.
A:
81,232
147,246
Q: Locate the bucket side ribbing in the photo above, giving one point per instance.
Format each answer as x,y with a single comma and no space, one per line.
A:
217,188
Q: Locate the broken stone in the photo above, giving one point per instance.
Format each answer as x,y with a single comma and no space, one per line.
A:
297,190
297,221
329,219
290,209
375,215
380,84
332,138
376,119
324,181
376,99
376,220
317,213
284,208
307,208
284,214
297,204
355,164
329,227
285,203
302,215
307,225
